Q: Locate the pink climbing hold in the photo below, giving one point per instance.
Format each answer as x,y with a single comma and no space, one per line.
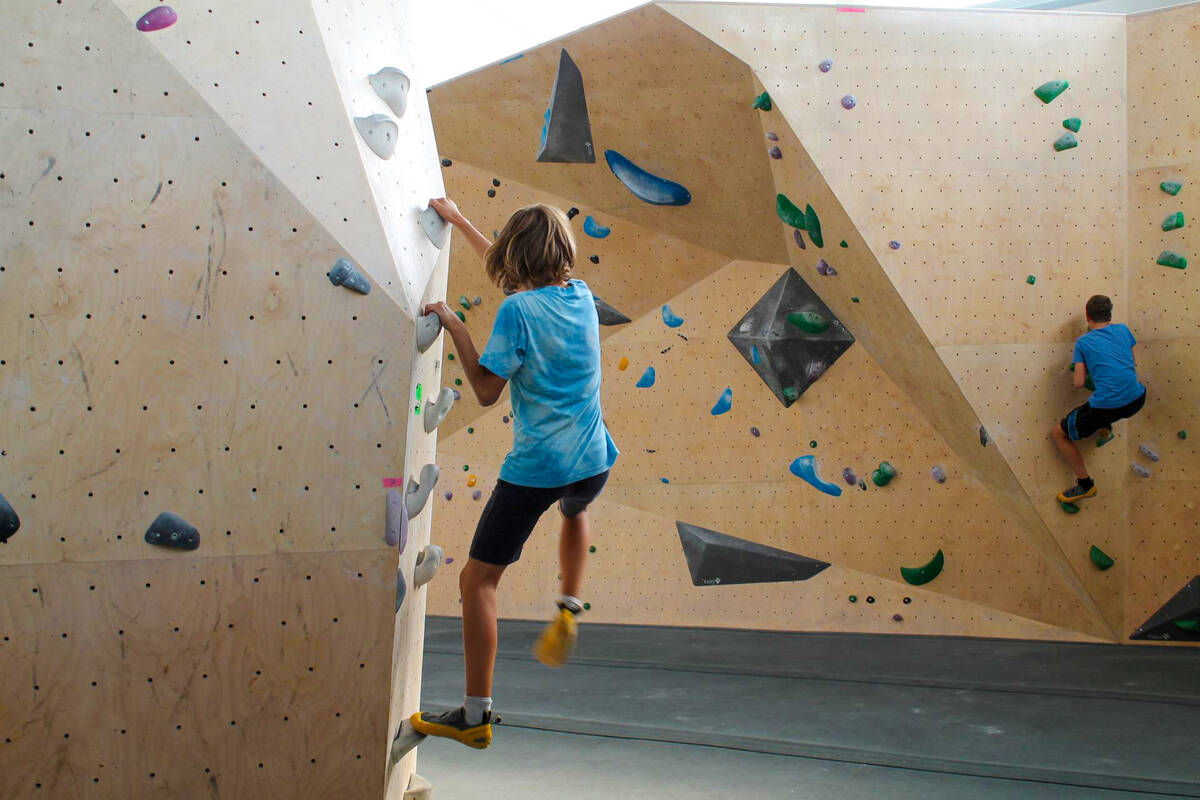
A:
157,18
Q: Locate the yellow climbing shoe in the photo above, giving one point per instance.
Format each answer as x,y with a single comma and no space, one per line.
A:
453,725
554,646
1076,493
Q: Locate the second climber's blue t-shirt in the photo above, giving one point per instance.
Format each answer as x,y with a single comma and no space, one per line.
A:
1108,354
546,343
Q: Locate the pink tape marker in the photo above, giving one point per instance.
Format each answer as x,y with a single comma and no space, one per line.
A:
393,483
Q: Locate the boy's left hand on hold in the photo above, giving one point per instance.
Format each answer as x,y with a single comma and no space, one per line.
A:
443,311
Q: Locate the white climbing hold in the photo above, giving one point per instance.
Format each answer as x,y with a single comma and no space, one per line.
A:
417,493
435,227
429,561
396,532
1148,451
428,328
379,132
1140,471
392,87
436,412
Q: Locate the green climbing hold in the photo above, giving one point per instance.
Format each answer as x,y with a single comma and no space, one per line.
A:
813,443
458,381
449,356
1172,259
470,430
853,299
1073,124
808,321
1065,142
788,212
883,474
790,394
853,598
460,315
1188,624
587,606
419,390
1171,187
1031,280
1173,222
813,226
592,549
1101,559
762,102
1070,508
466,467
842,243
1182,434
918,576
1050,90
464,302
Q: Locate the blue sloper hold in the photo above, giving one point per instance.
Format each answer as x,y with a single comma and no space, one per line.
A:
567,132
647,379
715,558
805,467
670,318
10,523
644,185
345,274
724,402
608,315
1178,618
594,229
171,530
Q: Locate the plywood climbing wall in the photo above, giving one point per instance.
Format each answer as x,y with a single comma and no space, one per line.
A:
170,342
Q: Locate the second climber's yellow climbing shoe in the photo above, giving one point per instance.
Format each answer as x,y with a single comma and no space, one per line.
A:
453,725
554,646
1076,493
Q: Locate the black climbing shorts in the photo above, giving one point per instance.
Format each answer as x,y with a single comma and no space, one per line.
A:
1082,422
512,512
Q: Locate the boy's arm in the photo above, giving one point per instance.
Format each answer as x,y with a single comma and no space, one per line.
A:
1079,378
448,211
487,385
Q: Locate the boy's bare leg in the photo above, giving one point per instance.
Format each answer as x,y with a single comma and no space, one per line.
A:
572,552
1069,450
478,583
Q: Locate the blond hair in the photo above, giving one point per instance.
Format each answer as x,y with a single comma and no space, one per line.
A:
535,248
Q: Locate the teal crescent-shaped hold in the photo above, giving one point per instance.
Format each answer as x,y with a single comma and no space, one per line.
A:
805,468
724,402
670,318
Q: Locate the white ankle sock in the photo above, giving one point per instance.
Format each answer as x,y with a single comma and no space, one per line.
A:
476,707
572,604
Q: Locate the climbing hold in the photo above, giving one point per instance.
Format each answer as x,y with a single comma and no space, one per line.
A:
799,239
449,356
907,600
475,495
883,474
1050,90
670,318
10,523
567,131
1168,258
825,65
808,321
428,328
724,402
1178,619
772,136
805,467
405,741
1031,280
1181,435
918,576
1148,451
938,473
644,185
504,419
572,212
755,356
429,561
477,301
813,225
434,226
345,274
449,495
762,102
446,162
472,480
464,302
870,599
395,532
608,315
715,558
392,87
156,19
755,432
1070,508
862,484
849,477
1100,558
380,133
788,212
623,364
647,379
171,530
419,390
823,268
1140,471
461,316
894,244
897,618
417,493
843,243
815,369
594,229
592,549
401,589
491,192
495,181
983,436
1073,124
853,598
775,153
594,259
812,443
1065,142
435,413
1171,187
853,299
848,102
1173,222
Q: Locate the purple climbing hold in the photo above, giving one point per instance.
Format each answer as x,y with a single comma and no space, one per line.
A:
815,369
848,102
449,495
775,153
449,561
823,268
938,473
799,239
772,136
755,433
849,477
504,419
157,18
475,495
825,65
894,244
897,618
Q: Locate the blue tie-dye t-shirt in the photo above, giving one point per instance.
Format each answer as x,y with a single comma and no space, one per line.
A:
546,343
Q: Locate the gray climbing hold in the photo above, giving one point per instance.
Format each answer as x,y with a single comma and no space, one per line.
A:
405,741
396,531
716,558
417,493
938,473
607,314
428,328
1148,451
825,65
392,87
380,133
10,523
344,273
171,530
1177,619
429,561
1139,470
401,589
436,412
436,228
567,132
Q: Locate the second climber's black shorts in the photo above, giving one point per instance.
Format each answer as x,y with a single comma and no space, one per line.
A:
512,512
1083,421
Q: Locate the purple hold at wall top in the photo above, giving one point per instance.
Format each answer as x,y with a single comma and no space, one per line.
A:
849,477
825,65
848,102
157,18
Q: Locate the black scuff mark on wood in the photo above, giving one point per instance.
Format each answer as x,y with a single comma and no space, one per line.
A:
157,192
214,258
87,389
50,162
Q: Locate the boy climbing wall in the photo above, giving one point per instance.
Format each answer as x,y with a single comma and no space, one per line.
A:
1106,353
545,345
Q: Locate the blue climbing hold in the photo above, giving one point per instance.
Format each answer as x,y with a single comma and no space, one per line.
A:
805,467
647,379
594,229
644,185
670,318
754,356
724,402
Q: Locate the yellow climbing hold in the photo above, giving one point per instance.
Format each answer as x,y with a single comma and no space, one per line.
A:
623,364
471,480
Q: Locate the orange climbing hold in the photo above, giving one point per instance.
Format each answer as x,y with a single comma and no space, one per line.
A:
623,364
471,480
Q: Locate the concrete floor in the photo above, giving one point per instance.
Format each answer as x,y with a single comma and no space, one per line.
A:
673,713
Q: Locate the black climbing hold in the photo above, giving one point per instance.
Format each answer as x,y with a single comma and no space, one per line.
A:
345,274
171,530
491,192
567,132
762,102
594,259
572,213
781,352
495,181
446,162
716,558
609,315
10,523
897,618
983,436
870,599
1165,625
907,600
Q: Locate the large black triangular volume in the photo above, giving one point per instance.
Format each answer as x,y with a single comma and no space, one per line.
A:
9,521
567,132
1178,620
609,315
717,558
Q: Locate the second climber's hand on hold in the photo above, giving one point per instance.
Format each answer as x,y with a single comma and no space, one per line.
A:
447,210
444,313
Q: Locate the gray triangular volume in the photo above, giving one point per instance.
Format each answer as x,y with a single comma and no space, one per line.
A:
717,558
567,132
609,315
1179,618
